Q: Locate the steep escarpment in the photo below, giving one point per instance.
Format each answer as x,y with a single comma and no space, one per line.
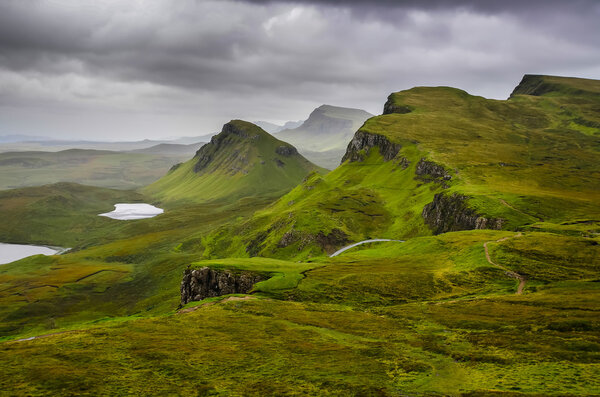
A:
450,213
198,284
391,106
363,142
241,161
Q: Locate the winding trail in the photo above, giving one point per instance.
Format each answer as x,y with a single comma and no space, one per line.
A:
376,240
508,272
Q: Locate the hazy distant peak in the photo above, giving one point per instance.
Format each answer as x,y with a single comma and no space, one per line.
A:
273,128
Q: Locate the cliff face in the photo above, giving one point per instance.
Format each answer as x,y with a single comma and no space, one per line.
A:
391,107
449,213
428,171
204,283
365,141
229,134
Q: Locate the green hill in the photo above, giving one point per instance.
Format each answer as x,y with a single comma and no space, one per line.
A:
241,161
442,160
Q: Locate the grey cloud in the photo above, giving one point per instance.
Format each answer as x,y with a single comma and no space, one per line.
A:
197,63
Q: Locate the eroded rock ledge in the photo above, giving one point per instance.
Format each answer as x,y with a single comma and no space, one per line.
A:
229,134
428,171
391,107
362,142
198,284
450,213
286,150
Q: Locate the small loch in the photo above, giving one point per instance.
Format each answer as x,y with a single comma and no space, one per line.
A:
13,252
128,212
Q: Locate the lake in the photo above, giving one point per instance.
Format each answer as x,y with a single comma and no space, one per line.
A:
12,252
127,212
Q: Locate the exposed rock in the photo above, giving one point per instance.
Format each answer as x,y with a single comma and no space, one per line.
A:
449,213
286,150
256,244
228,134
288,238
204,283
362,143
279,163
333,241
403,162
432,172
174,167
390,107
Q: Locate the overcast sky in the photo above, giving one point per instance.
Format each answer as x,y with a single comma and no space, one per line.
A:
116,69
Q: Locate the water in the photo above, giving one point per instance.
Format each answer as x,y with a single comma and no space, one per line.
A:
12,252
127,212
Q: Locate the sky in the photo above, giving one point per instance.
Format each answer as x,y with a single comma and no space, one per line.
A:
140,69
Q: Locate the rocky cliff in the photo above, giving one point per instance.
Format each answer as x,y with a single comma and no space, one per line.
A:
449,213
428,171
205,282
392,107
229,134
362,142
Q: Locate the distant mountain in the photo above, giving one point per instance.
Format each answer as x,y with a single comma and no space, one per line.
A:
327,130
242,160
15,143
187,140
22,138
274,128
171,149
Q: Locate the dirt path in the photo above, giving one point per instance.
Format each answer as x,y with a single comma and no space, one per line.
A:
509,272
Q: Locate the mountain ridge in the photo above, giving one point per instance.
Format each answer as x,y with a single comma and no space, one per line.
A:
242,160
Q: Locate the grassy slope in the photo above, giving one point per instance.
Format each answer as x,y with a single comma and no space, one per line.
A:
62,214
429,316
425,317
119,268
519,160
246,167
101,168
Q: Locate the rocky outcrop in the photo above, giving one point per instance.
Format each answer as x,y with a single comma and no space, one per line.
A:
228,135
174,167
449,213
391,107
286,150
362,143
332,241
429,171
205,282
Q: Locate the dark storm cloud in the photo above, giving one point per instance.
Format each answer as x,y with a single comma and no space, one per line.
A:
168,68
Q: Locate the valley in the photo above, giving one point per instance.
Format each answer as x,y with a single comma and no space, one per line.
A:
454,251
